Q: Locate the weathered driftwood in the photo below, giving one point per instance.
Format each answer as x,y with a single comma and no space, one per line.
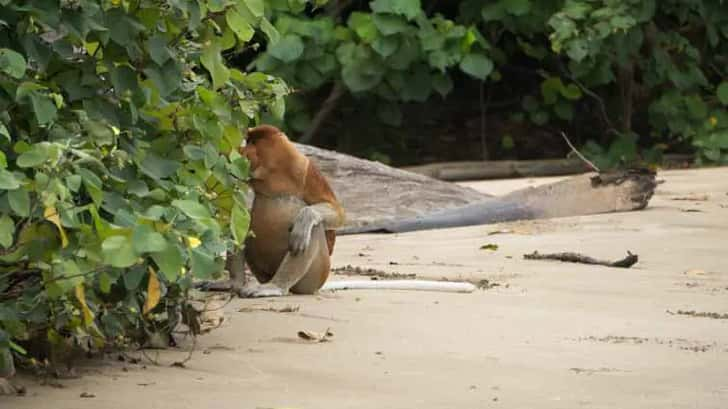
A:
458,171
379,198
373,192
502,169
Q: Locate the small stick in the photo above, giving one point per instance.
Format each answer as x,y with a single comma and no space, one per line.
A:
582,157
569,257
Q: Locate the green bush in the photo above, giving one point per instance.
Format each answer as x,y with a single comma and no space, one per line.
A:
648,74
119,177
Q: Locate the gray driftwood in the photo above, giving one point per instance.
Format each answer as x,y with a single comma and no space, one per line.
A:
379,198
373,192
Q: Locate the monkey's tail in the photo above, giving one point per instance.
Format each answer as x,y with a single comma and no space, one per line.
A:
412,285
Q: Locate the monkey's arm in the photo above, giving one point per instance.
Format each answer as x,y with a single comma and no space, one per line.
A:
307,218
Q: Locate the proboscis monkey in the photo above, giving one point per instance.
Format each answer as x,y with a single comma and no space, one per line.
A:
293,218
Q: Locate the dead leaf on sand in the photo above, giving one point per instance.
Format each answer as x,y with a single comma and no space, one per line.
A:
501,231
489,246
695,272
316,337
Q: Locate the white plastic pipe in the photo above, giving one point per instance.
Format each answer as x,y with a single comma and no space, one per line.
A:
412,285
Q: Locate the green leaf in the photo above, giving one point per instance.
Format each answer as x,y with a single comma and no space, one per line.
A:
212,60
44,108
124,79
288,49
357,79
19,201
118,251
386,46
169,261
155,212
571,91
722,92
256,7
104,282
203,265
37,155
4,132
193,209
239,25
442,83
407,8
133,277
550,89
8,181
3,160
12,63
696,107
389,24
158,168
493,11
363,26
194,152
270,31
577,49
146,240
100,132
239,224
74,183
7,229
517,7
158,50
477,65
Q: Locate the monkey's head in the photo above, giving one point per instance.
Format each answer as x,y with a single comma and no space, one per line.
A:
276,166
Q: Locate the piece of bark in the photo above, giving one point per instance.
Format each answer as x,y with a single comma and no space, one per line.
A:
571,257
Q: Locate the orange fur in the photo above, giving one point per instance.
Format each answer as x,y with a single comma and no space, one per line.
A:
280,174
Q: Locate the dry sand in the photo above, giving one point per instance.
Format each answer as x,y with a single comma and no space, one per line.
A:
551,335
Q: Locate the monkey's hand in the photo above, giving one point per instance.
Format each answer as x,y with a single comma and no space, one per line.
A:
300,237
264,290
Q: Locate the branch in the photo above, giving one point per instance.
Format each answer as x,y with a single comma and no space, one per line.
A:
337,91
582,157
626,262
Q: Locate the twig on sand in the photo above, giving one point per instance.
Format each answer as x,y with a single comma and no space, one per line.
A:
582,157
570,257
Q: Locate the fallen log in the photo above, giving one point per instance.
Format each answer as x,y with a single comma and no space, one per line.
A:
379,198
504,169
372,192
479,170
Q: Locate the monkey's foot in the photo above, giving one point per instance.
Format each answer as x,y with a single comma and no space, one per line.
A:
265,290
6,388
